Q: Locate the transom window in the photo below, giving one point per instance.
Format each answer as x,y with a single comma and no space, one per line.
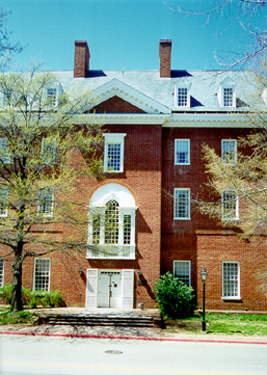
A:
111,223
182,204
41,274
229,151
45,201
1,272
182,270
114,152
230,280
3,201
182,151
229,205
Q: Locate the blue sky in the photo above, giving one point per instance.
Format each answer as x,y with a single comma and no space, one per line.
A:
123,34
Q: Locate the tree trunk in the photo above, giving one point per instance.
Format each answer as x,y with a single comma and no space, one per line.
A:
16,303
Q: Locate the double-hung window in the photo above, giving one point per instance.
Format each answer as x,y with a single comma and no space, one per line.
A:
41,277
229,205
227,93
114,152
229,151
230,280
48,150
3,201
182,204
1,272
4,151
45,201
182,270
182,151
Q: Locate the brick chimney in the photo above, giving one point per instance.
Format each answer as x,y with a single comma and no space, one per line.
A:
81,59
165,47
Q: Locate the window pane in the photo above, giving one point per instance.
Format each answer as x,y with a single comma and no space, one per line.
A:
96,229
229,151
127,229
48,150
52,96
4,152
114,156
182,97
42,274
181,203
228,97
46,201
3,201
229,205
230,280
1,272
182,271
112,222
182,151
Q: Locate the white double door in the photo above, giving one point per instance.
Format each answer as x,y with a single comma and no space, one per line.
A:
109,288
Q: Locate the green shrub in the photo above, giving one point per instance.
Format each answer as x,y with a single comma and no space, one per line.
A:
16,318
35,298
176,300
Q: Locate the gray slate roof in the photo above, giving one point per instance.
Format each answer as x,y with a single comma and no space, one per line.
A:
204,87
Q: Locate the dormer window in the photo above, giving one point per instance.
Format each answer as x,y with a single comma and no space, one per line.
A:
182,94
227,93
52,97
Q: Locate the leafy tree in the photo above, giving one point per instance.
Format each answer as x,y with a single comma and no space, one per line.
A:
46,147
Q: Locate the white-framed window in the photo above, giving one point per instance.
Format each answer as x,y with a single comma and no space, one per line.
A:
3,201
182,151
2,264
229,151
182,204
52,96
112,223
227,93
229,205
182,270
114,152
182,94
41,277
4,151
230,280
45,201
48,150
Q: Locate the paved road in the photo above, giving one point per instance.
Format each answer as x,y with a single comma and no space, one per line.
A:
66,356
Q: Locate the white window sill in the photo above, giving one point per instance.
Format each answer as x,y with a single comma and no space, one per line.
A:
114,252
231,298
182,164
182,218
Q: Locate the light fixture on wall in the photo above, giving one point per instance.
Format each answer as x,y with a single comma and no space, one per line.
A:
81,271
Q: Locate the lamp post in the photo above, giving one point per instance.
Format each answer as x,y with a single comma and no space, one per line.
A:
204,275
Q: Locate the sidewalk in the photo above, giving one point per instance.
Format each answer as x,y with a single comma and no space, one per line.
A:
128,333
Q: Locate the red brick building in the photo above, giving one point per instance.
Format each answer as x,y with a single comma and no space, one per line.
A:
156,124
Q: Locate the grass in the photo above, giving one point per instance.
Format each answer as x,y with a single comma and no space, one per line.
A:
228,324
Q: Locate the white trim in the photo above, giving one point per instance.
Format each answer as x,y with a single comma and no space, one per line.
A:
182,261
238,297
3,271
127,93
236,217
175,150
188,207
182,84
235,150
228,83
34,272
114,138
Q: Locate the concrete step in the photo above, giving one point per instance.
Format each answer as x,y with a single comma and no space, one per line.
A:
98,320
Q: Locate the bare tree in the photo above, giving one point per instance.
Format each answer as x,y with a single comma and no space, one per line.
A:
6,47
236,11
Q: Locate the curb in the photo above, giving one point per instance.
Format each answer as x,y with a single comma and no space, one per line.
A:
140,338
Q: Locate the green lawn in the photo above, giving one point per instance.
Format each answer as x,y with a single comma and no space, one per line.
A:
228,324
